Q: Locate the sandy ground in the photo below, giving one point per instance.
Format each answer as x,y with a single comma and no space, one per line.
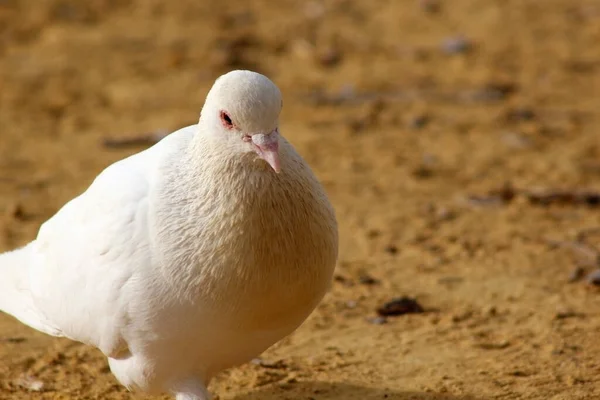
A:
407,110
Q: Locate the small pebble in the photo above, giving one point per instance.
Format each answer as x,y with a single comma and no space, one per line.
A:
18,212
367,279
576,274
423,172
30,383
519,373
494,346
418,122
491,92
564,314
329,57
456,45
520,114
15,340
450,280
343,280
400,306
391,249
594,278
373,233
491,311
444,214
462,316
347,92
516,140
377,320
430,6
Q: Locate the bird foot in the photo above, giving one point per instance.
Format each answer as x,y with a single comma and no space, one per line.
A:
192,390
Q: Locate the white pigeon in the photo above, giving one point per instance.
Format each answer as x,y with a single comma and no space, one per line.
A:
190,257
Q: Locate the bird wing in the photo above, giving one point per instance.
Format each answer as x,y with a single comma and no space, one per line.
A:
88,257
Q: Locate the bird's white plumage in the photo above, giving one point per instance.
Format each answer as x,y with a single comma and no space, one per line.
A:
85,257
187,258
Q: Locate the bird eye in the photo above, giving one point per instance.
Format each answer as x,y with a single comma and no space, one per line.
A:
226,120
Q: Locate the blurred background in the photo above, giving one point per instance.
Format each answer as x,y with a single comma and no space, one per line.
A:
458,141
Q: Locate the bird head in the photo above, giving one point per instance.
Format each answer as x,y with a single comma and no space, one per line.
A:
241,111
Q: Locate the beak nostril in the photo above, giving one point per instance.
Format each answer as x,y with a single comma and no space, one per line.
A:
267,148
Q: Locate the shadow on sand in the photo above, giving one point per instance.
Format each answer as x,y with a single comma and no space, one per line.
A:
340,391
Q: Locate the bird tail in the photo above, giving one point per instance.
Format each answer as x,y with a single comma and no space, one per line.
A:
15,294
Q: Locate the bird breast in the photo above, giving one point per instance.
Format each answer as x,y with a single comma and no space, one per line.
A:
260,249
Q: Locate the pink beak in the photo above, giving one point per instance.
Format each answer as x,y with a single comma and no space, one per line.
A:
267,148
